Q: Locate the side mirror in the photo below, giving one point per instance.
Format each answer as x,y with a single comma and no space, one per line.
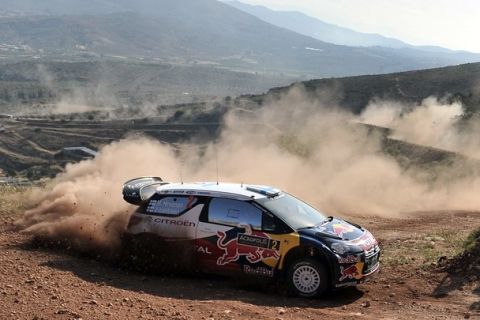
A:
246,226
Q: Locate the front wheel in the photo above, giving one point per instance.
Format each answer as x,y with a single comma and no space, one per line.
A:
307,278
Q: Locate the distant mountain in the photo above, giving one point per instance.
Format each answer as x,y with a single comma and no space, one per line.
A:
57,7
315,28
306,25
192,31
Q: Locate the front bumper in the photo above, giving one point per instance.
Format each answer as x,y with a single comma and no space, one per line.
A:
360,271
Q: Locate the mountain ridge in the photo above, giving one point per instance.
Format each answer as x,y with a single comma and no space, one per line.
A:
307,25
195,31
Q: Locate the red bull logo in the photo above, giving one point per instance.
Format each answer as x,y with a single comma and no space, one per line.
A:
352,272
340,228
254,247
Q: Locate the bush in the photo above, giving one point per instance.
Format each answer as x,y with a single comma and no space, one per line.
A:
473,241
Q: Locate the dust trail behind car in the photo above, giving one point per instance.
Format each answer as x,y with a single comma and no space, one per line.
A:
303,146
83,207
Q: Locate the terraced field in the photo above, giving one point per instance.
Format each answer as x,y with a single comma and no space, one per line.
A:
28,147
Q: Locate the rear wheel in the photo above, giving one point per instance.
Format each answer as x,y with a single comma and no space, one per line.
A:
141,253
307,278
150,253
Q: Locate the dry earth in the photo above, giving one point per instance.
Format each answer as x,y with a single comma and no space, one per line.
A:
42,283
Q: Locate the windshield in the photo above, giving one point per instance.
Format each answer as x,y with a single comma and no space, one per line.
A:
297,214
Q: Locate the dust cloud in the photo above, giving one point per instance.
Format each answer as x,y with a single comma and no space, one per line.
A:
433,122
315,151
83,207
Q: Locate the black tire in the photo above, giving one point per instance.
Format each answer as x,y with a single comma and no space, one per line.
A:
149,253
139,254
307,278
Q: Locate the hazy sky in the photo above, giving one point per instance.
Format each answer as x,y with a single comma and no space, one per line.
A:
453,24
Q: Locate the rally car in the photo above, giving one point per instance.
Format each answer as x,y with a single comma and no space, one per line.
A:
251,230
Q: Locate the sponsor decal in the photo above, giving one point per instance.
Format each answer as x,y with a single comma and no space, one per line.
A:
171,205
352,272
260,271
348,259
204,250
258,242
254,248
143,183
173,222
340,228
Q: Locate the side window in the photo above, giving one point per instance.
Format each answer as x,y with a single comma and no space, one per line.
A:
232,212
170,205
268,223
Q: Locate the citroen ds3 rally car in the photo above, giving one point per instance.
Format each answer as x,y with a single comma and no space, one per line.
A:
250,230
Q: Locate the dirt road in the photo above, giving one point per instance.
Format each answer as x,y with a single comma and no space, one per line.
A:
38,283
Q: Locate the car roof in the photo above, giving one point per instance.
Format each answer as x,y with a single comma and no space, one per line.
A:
220,190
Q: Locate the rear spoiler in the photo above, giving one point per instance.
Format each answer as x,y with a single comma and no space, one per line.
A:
137,190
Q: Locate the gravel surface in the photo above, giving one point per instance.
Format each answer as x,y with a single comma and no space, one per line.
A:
42,283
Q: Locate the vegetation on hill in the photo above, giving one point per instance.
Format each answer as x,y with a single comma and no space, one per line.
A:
118,83
459,83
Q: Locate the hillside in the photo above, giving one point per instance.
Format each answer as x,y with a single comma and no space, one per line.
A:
354,93
455,83
115,83
200,31
24,141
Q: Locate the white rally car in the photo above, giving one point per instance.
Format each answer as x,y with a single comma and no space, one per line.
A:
252,230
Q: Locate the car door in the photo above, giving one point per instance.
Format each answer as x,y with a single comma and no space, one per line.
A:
230,239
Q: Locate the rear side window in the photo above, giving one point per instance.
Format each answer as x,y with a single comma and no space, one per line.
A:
170,205
233,212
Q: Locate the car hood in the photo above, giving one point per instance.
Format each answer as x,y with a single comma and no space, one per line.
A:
337,229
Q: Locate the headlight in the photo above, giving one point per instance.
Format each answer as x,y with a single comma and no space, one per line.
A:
342,248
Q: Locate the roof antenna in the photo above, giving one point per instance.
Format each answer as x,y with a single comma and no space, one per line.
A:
179,166
216,161
181,176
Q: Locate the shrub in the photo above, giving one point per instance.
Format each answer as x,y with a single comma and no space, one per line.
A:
473,241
